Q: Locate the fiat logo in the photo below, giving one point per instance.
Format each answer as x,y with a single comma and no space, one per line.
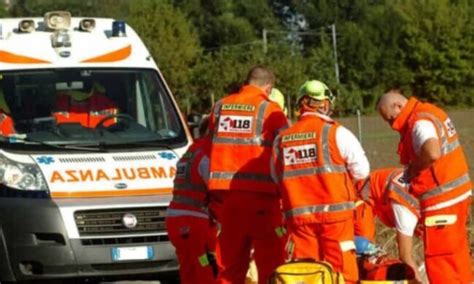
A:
129,221
121,185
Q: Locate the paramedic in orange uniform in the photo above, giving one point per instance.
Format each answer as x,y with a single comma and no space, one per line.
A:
6,124
187,221
437,171
243,127
385,194
85,107
315,162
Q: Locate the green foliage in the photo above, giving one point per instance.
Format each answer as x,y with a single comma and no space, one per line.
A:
170,38
205,48
3,11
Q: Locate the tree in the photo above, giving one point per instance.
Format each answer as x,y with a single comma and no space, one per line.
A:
3,11
171,40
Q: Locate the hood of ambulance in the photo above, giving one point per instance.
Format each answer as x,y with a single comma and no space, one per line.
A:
80,175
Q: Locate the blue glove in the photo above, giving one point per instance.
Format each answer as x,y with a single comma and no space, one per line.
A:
364,246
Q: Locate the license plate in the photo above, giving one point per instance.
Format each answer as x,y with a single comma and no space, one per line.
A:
132,253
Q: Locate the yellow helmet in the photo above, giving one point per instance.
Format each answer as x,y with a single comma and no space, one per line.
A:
277,97
316,90
82,95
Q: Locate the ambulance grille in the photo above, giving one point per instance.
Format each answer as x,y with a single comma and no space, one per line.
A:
109,221
134,158
124,240
82,160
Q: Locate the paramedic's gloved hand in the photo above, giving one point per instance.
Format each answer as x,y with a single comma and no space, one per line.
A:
365,247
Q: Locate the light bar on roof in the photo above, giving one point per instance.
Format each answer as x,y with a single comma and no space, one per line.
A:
118,29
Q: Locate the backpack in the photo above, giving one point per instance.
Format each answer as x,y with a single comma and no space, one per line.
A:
306,272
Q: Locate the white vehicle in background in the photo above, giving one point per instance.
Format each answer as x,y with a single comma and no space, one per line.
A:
79,201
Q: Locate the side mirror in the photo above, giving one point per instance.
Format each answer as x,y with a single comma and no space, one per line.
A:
194,120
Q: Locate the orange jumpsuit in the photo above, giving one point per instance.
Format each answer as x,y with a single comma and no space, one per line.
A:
317,194
382,187
443,190
187,222
243,127
88,112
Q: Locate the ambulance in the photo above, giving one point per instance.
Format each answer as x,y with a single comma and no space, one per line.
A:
89,139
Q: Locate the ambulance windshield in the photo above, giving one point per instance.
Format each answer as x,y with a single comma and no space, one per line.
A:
87,106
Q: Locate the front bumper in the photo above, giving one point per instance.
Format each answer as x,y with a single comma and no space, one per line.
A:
36,242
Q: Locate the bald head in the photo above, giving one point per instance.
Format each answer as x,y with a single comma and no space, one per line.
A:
390,105
262,77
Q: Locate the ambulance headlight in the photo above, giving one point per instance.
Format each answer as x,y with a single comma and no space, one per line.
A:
57,20
21,176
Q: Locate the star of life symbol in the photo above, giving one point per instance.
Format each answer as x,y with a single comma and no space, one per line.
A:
46,160
235,124
295,155
167,155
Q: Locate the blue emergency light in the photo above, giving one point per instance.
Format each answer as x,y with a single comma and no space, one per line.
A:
118,29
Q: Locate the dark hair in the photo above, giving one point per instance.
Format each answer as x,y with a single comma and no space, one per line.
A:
260,75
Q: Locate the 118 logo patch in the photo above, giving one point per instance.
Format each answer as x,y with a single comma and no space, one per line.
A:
300,154
235,124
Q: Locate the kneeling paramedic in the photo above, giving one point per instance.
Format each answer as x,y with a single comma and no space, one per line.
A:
385,194
314,162
188,222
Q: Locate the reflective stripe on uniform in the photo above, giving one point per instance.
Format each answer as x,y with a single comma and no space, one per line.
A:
240,175
180,199
365,192
402,193
405,195
347,246
260,119
240,141
190,187
445,187
275,157
319,209
316,170
180,212
325,144
445,146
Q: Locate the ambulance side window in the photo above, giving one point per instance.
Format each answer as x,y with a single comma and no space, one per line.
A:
157,110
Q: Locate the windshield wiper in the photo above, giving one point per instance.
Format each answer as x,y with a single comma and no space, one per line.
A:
151,142
24,139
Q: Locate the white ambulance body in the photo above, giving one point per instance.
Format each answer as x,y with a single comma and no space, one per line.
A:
83,190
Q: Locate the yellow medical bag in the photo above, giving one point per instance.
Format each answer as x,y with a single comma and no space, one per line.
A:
306,272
